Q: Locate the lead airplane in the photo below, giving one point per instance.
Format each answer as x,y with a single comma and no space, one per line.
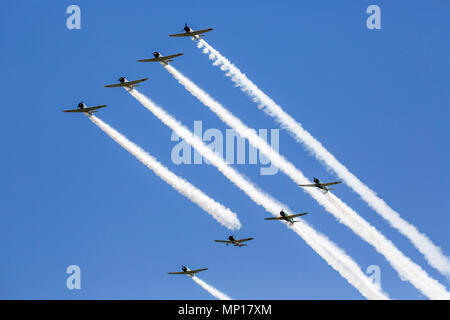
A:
188,32
83,108
188,272
288,218
320,185
235,242
158,57
125,83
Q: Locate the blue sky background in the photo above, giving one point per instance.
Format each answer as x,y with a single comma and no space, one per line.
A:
377,99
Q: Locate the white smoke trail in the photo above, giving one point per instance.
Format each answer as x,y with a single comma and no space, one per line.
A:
432,253
223,215
328,250
404,266
213,291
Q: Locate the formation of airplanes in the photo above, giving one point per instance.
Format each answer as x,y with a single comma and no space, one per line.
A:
130,85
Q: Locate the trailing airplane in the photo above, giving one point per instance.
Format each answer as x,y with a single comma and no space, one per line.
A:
158,57
83,108
188,32
188,272
320,185
235,242
125,83
286,217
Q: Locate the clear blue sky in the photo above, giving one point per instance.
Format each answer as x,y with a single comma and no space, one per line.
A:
377,99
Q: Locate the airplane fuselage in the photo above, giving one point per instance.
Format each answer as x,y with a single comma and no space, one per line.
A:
188,30
127,87
283,215
157,55
320,185
186,269
82,106
290,220
233,241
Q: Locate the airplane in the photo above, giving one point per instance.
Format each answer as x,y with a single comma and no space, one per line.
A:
158,57
83,108
320,185
287,218
235,242
125,83
188,32
187,271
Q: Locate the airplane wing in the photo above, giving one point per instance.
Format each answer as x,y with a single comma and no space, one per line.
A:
330,183
74,110
274,218
177,272
85,109
308,185
297,215
194,33
223,241
190,34
196,271
161,59
184,34
94,108
125,84
172,56
243,240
